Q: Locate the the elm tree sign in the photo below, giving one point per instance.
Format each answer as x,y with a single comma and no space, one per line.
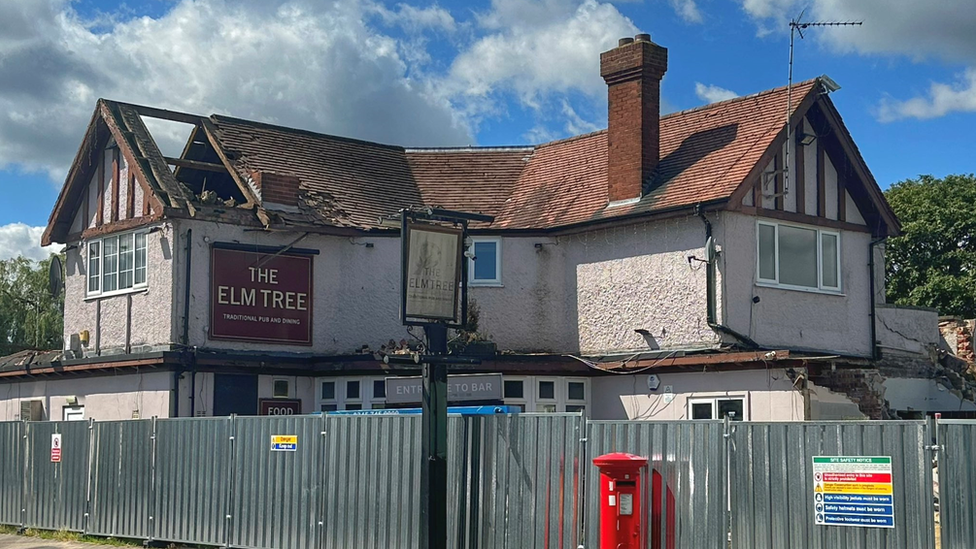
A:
260,297
432,272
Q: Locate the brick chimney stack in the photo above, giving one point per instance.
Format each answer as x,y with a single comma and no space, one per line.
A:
633,72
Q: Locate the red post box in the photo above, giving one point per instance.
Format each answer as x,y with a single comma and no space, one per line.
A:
621,508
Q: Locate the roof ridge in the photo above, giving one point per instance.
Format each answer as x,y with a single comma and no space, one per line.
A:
571,138
474,148
740,98
216,118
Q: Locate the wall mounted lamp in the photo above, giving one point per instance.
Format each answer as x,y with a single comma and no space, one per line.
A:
805,139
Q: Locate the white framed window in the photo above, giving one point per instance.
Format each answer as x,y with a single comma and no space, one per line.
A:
280,388
718,408
73,413
794,256
546,394
117,263
485,268
351,393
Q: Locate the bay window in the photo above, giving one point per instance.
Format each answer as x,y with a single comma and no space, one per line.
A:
117,263
792,256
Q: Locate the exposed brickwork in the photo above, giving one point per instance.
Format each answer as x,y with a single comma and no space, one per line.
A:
958,335
277,188
864,386
633,74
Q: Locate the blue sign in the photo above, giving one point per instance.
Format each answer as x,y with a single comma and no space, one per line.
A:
451,410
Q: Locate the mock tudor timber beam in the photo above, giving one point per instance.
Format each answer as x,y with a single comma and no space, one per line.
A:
195,164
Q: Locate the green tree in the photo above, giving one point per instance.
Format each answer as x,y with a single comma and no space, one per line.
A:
29,317
933,263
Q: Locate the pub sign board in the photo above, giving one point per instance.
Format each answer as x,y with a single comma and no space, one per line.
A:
260,297
432,273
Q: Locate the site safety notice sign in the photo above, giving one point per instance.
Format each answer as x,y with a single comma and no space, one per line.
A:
56,448
853,491
284,443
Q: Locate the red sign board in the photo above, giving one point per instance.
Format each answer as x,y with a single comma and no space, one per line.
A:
279,407
56,448
260,297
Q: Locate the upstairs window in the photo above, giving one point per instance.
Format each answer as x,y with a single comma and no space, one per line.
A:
798,257
117,263
485,268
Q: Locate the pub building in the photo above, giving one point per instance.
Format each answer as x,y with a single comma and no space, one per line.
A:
259,272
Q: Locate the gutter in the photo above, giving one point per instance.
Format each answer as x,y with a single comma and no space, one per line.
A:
710,299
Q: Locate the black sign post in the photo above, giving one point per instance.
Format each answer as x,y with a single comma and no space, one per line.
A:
434,267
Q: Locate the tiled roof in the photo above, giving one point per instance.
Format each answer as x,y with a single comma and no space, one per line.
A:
706,153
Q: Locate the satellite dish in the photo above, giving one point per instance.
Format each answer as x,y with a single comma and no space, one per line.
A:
710,250
55,276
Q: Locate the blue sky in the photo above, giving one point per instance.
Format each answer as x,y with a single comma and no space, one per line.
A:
493,72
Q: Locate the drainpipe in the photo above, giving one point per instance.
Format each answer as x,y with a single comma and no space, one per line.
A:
710,297
185,337
875,349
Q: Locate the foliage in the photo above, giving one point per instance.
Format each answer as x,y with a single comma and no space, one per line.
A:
933,263
29,317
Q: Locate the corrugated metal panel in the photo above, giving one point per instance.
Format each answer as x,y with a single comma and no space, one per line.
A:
274,503
690,457
516,481
957,483
370,473
11,472
121,477
772,484
57,492
192,484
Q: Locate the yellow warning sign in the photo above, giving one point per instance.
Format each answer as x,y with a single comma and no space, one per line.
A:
857,488
284,443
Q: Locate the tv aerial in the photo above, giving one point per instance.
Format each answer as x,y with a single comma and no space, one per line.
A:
797,26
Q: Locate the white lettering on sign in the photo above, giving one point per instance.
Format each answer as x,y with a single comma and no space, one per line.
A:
272,299
476,387
267,276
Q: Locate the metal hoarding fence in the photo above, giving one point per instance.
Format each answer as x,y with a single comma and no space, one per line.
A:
11,472
516,481
370,474
56,493
121,479
957,483
192,480
687,461
772,489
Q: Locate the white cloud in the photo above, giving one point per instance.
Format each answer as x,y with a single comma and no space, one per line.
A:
535,51
21,239
417,19
942,99
713,94
687,10
307,64
918,30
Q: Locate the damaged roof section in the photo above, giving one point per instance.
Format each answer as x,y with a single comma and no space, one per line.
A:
246,172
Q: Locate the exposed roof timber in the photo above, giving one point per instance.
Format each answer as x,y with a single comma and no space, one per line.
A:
164,114
195,165
211,133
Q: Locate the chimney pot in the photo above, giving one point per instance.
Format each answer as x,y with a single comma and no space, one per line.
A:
625,41
643,37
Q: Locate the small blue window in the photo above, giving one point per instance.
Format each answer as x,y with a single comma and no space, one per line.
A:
485,267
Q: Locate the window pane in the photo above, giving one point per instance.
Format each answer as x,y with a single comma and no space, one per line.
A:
111,264
377,406
575,408
797,256
328,390
329,408
828,247
767,252
94,267
701,410
140,258
577,391
352,389
485,262
280,388
547,389
547,408
731,406
354,406
513,389
126,253
379,389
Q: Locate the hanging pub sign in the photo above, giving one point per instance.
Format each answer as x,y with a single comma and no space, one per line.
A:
432,271
262,297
